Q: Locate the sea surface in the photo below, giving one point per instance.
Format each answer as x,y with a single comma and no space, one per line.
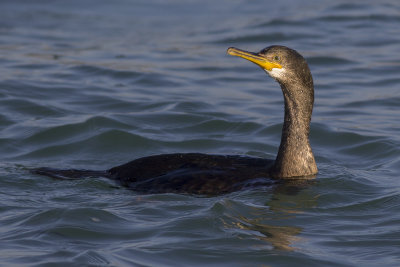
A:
93,84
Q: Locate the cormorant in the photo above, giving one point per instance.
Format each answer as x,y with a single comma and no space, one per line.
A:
204,174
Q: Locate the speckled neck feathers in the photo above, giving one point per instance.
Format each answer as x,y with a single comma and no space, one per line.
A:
295,157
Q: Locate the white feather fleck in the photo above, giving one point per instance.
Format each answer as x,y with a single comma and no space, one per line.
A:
276,73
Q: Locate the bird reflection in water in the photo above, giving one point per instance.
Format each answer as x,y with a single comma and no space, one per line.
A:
265,223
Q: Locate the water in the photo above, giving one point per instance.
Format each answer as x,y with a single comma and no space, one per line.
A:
93,84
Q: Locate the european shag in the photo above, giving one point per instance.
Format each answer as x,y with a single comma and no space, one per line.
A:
204,174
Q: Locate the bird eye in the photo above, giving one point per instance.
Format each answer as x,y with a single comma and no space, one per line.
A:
277,58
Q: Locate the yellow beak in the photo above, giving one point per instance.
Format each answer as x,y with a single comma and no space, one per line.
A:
253,57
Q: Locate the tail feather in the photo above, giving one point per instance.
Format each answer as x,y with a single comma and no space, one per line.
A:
70,174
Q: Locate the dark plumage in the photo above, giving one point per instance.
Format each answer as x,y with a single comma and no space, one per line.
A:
205,174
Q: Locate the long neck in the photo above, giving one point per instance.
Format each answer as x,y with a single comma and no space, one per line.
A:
295,157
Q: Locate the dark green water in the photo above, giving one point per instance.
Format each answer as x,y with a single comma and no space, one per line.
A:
93,84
